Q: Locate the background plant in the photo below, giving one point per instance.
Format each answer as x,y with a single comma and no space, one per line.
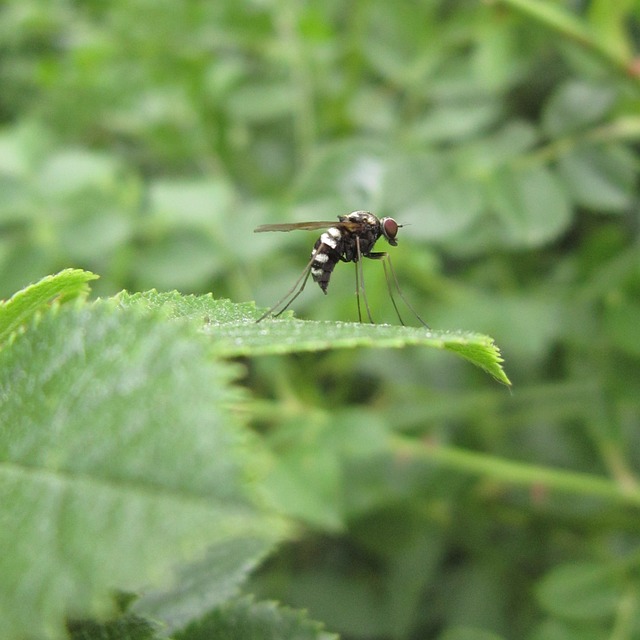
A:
144,141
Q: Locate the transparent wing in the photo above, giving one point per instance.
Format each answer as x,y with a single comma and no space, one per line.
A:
307,226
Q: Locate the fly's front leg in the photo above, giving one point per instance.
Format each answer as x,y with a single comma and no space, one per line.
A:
360,284
386,260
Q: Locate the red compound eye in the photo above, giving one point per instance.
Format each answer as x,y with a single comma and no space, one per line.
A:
390,229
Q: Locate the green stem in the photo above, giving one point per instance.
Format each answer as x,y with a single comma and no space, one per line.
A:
570,27
626,129
518,473
287,20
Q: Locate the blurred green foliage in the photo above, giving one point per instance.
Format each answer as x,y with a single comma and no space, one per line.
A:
145,139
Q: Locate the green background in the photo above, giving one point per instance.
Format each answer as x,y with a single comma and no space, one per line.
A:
144,140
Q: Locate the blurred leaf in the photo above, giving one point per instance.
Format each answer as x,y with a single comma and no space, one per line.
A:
423,191
421,547
457,122
497,59
340,175
16,201
600,178
126,627
475,596
305,482
73,170
401,42
206,583
91,234
21,150
24,261
13,160
345,600
180,203
186,258
22,147
306,479
576,105
480,158
23,305
621,325
468,633
245,337
529,325
244,619
531,204
555,629
372,109
581,591
121,460
262,101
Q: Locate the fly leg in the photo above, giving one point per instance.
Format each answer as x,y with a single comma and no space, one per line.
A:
360,284
386,262
291,295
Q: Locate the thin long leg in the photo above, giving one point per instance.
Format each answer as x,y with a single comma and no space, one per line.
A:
360,284
357,266
386,260
382,256
304,276
390,288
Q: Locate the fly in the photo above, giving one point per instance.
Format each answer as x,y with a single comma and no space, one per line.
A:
348,240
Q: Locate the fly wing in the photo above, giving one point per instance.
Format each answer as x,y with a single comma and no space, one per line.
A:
306,226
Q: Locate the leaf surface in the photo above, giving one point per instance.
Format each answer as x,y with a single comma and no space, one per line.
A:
233,331
244,619
22,306
120,458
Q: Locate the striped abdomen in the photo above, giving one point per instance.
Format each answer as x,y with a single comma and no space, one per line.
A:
326,254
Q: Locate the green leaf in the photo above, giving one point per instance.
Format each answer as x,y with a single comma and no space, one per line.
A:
600,178
183,258
180,203
621,322
202,585
73,170
423,191
306,480
202,309
581,591
531,204
468,633
575,106
234,332
23,305
457,122
127,627
487,154
262,101
120,459
555,629
244,619
340,174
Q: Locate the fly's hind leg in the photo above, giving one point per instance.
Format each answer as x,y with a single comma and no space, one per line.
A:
291,295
